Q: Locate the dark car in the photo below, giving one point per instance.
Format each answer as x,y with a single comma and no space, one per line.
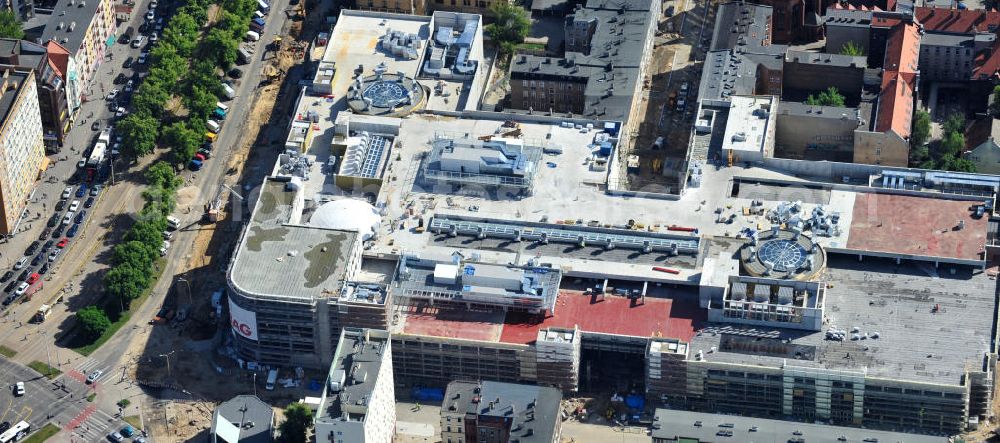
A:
72,230
89,202
45,233
24,275
54,220
128,63
60,205
120,78
81,191
48,245
235,73
7,276
32,248
45,268
96,126
80,216
38,259
10,287
57,231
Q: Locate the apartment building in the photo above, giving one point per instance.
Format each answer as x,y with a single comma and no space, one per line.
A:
87,29
22,151
51,63
601,75
358,403
495,412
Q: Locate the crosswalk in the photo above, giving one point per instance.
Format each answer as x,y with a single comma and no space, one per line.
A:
84,368
91,425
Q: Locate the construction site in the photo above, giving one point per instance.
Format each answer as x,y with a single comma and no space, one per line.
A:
472,238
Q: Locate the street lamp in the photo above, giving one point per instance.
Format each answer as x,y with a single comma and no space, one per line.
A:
188,284
167,356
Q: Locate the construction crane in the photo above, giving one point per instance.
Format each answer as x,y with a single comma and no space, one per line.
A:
213,210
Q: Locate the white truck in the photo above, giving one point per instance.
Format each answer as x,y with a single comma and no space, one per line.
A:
272,378
42,314
228,91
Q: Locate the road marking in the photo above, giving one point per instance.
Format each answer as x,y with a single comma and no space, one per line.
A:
25,413
7,409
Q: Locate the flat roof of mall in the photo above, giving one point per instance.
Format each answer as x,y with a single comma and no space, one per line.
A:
675,424
310,260
354,42
614,315
932,324
928,225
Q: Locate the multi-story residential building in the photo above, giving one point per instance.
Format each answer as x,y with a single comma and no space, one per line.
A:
50,63
243,419
601,74
496,412
21,148
417,7
358,404
87,29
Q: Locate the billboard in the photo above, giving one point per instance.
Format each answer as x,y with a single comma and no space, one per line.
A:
244,322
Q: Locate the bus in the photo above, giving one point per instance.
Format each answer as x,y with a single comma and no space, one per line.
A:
16,432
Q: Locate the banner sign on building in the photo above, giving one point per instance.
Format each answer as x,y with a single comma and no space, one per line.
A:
244,322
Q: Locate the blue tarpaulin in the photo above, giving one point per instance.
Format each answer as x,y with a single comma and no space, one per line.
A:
428,394
635,401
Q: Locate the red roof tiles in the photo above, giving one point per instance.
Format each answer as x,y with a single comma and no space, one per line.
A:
899,80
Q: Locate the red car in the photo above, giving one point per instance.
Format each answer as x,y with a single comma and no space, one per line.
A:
34,277
62,243
199,156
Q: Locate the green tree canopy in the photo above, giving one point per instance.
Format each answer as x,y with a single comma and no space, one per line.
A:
161,174
298,420
995,102
951,145
126,282
148,232
93,321
851,48
10,26
830,97
182,140
135,254
954,123
138,134
921,131
511,25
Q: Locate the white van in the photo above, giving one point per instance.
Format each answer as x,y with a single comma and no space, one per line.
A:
224,107
258,14
214,126
272,378
173,222
252,36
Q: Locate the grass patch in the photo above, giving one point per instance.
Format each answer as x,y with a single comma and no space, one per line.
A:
43,434
135,422
123,317
532,47
44,369
7,352
91,397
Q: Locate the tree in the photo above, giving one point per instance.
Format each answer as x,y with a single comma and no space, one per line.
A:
147,231
830,97
951,145
182,140
161,174
921,131
511,25
135,254
10,26
995,102
222,46
298,420
93,321
138,134
851,48
126,282
954,123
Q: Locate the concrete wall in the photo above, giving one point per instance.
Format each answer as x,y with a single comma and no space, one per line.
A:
817,77
986,157
838,36
881,148
804,136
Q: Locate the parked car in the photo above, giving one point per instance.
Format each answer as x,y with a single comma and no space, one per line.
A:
139,40
71,232
7,276
142,58
111,95
21,263
114,436
21,289
94,190
120,112
44,268
32,248
120,78
96,126
19,388
74,205
10,287
62,243
55,254
89,202
81,191
37,260
57,231
80,217
67,192
48,245
33,278
128,62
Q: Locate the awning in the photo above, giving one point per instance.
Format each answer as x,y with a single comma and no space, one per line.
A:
111,40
